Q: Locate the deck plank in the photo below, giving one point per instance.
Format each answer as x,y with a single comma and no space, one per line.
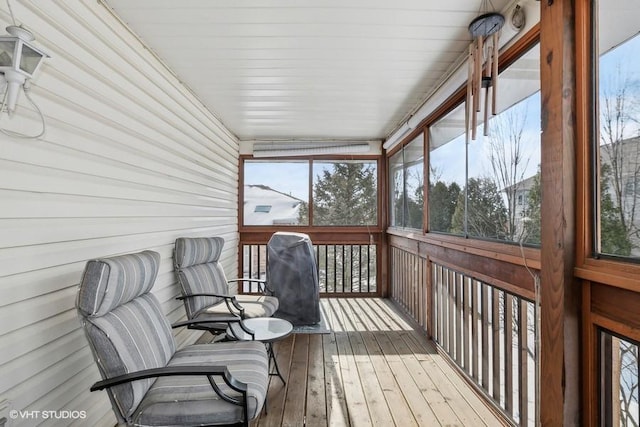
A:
373,394
316,411
416,401
337,414
294,410
276,394
474,412
400,411
356,402
428,385
372,370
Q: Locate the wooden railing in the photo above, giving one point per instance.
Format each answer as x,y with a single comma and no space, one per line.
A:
490,335
342,268
408,277
487,329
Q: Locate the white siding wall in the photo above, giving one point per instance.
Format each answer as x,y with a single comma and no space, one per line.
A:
130,161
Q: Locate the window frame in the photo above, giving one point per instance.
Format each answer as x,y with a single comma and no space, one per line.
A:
406,166
590,265
496,250
309,228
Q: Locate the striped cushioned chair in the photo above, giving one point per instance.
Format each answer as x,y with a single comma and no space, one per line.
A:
148,381
205,289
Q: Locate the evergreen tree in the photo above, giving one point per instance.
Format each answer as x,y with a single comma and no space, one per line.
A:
614,236
486,215
532,212
442,205
415,202
345,194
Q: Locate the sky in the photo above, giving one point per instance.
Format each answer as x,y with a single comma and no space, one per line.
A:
287,177
449,159
290,177
621,66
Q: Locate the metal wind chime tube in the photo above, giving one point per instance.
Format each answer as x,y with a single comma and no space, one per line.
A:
483,70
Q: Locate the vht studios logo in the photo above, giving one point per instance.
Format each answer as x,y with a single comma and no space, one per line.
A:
47,415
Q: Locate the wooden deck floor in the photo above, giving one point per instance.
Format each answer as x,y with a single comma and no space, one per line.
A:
372,370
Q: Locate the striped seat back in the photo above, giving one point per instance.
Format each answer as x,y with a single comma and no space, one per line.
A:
198,271
124,323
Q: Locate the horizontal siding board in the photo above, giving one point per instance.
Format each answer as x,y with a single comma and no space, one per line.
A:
30,258
124,66
36,310
37,205
37,179
20,342
28,231
102,157
130,161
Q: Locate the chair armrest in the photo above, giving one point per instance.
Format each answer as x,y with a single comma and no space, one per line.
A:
262,284
168,371
230,300
213,319
225,296
247,279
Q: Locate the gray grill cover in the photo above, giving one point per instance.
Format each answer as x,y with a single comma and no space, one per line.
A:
292,275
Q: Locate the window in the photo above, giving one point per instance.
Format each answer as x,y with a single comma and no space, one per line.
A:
618,130
276,192
490,188
263,208
447,173
619,385
396,189
344,192
407,185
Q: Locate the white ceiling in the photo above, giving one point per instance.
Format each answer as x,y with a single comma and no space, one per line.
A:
306,69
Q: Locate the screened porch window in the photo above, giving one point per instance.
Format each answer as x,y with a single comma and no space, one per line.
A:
276,192
490,187
618,130
343,192
407,185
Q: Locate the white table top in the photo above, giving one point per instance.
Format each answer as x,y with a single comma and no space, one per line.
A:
266,329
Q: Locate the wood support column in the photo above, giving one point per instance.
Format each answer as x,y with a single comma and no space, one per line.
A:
560,297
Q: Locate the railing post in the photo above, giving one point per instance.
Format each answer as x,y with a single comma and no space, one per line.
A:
559,296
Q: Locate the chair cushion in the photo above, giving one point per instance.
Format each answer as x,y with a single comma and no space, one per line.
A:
196,250
202,278
133,337
192,401
110,282
254,306
258,305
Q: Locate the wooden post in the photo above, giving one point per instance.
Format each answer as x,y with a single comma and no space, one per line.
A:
560,298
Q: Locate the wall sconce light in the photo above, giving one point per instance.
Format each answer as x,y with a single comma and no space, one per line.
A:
19,60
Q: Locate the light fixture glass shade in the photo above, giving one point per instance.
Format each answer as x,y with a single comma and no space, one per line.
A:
30,59
19,60
18,54
7,53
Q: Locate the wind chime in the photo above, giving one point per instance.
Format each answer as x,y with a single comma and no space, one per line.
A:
483,68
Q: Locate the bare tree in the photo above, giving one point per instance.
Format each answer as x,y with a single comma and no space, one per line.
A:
625,368
619,149
509,160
